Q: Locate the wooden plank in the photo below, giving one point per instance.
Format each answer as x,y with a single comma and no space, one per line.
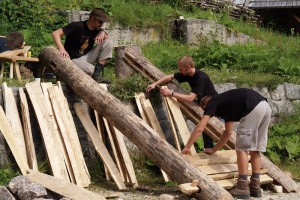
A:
114,149
99,146
74,139
8,134
126,157
182,128
17,70
31,155
62,187
11,69
172,124
2,70
139,105
13,117
100,128
49,132
230,175
63,126
217,169
201,159
154,123
229,183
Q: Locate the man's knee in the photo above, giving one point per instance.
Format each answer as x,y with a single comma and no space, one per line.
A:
108,43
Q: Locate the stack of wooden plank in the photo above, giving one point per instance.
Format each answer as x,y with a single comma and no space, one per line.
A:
119,166
222,167
59,134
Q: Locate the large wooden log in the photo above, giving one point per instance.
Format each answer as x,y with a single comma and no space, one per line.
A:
133,127
192,110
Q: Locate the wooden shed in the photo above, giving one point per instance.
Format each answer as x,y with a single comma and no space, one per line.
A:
280,15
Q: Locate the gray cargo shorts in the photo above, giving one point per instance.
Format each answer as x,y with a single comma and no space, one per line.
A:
252,131
99,52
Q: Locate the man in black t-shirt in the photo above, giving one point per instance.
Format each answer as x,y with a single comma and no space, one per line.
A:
200,84
253,113
79,44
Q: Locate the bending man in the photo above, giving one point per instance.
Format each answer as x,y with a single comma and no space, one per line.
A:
253,112
199,82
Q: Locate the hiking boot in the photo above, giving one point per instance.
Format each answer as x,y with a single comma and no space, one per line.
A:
240,190
98,73
254,187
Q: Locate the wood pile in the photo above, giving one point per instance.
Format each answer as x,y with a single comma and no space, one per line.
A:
221,166
235,11
59,135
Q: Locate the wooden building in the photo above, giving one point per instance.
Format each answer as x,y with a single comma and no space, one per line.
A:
280,15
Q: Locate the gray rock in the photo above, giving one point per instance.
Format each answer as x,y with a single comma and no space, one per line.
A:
5,194
263,91
292,91
31,191
220,88
284,106
296,103
278,94
16,181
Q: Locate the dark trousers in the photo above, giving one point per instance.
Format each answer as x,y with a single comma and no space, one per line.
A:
208,142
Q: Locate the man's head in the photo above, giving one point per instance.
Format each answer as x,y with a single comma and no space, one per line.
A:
99,13
14,40
186,65
204,101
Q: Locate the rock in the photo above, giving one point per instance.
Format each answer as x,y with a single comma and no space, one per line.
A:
5,194
16,181
166,197
31,191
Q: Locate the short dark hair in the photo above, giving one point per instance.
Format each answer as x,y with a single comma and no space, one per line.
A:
14,40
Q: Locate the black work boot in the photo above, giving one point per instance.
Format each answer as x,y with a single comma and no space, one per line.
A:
98,73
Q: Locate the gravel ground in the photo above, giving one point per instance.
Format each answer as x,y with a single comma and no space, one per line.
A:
172,193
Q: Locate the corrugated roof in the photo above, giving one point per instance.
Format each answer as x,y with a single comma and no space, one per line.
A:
274,4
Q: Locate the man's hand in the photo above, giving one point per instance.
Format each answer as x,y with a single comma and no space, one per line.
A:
64,53
165,91
209,151
150,87
101,37
186,151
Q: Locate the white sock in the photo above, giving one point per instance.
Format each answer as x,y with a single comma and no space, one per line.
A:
37,79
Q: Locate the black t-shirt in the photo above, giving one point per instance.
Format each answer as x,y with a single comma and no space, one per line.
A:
200,83
233,104
3,45
79,38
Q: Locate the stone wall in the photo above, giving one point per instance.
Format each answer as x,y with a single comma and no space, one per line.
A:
195,31
284,99
190,31
121,35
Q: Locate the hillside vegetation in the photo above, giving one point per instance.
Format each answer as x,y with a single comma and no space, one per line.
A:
275,62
